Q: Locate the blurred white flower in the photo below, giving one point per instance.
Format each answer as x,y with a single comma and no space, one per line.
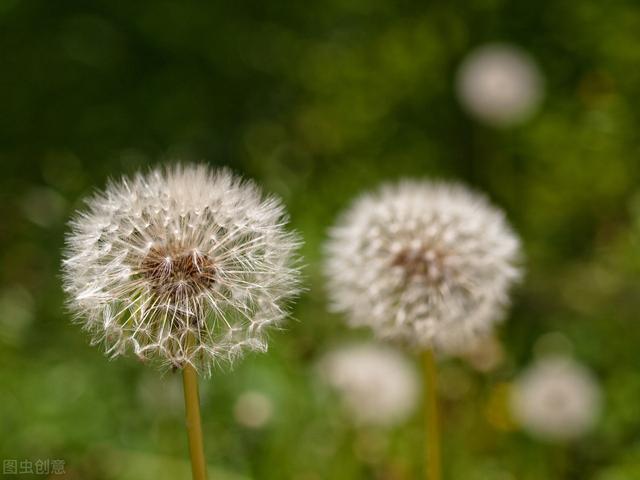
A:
500,84
183,265
556,399
376,384
253,410
427,264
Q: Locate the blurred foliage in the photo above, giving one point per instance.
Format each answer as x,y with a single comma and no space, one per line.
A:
318,101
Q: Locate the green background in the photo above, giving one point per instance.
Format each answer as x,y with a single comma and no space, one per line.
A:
318,101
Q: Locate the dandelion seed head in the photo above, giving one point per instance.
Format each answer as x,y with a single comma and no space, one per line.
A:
423,263
253,409
556,399
376,384
500,85
186,265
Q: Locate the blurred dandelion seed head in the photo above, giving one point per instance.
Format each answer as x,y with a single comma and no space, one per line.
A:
423,263
556,399
186,265
376,384
500,84
253,409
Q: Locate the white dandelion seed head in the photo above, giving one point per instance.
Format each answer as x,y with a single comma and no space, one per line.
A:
500,85
186,265
376,384
423,263
556,399
253,409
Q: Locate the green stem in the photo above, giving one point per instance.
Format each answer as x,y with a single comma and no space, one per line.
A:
194,424
432,429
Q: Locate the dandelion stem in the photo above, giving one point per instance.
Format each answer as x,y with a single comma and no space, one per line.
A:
432,429
194,425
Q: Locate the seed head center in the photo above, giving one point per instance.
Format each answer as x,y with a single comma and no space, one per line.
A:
422,263
173,271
